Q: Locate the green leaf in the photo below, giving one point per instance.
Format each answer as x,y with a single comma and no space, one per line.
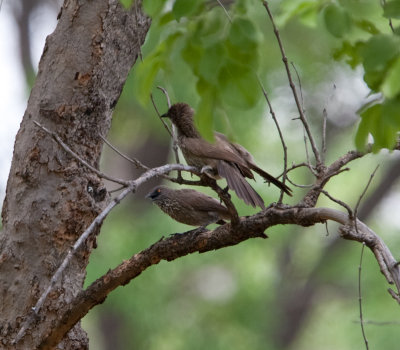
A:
145,76
374,79
153,7
367,26
369,122
382,121
192,55
239,85
210,30
337,20
211,62
379,50
391,84
205,111
243,34
147,70
184,8
350,51
391,9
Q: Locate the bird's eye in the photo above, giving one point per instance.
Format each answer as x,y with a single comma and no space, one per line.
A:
158,191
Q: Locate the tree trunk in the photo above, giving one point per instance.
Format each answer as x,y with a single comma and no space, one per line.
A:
50,197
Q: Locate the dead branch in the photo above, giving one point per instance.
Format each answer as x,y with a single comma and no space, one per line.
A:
293,87
132,187
177,246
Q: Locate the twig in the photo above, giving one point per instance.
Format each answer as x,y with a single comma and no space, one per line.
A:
294,166
343,204
293,87
365,190
226,12
133,185
300,87
159,116
79,159
308,156
390,20
166,95
134,161
360,298
271,111
173,134
326,228
325,116
299,186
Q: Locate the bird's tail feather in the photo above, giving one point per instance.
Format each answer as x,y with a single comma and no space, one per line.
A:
238,183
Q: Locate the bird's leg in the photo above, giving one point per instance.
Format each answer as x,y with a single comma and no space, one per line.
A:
226,191
209,171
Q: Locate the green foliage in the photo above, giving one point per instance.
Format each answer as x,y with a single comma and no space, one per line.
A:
378,50
392,9
364,38
222,56
153,7
382,122
202,58
337,20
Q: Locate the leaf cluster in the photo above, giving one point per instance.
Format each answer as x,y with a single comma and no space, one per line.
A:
374,44
220,51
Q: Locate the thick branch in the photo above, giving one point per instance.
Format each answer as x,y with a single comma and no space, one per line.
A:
177,246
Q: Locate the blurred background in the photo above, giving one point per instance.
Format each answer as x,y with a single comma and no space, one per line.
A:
296,290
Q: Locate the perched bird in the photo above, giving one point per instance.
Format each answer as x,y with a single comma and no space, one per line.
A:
188,206
219,159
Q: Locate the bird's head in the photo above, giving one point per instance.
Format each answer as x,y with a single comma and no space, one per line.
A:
179,111
157,193
181,115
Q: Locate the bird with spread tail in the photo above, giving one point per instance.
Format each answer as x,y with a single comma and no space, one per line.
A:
219,159
188,206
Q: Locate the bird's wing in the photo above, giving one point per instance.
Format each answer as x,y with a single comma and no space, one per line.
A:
248,158
218,150
201,202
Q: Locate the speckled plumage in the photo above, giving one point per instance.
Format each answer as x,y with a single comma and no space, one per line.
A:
188,206
219,159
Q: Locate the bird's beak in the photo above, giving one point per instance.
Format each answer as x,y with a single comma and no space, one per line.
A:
151,195
165,115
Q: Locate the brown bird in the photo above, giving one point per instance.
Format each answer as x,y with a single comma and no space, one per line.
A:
219,159
188,206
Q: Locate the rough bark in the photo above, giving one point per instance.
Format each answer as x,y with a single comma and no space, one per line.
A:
50,197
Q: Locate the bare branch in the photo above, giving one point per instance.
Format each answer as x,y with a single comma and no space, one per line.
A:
133,185
134,161
226,12
285,160
343,204
172,133
360,298
79,159
177,246
365,190
166,95
159,116
325,115
293,87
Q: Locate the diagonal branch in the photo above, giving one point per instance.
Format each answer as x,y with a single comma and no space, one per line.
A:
132,187
177,246
293,87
